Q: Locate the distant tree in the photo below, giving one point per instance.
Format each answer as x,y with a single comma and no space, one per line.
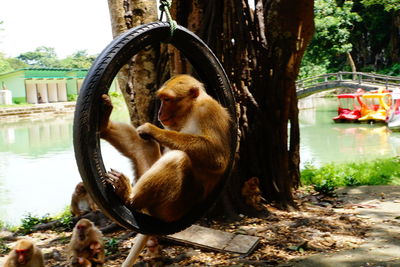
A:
15,63
387,4
9,64
80,60
330,46
376,38
44,57
4,64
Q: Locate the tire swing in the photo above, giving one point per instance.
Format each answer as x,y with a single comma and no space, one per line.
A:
88,109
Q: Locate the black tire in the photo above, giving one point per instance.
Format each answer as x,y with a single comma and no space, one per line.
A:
86,121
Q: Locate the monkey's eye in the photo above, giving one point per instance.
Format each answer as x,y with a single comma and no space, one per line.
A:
166,99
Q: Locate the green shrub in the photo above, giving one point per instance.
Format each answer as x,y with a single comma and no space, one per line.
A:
72,97
393,70
111,246
65,219
377,172
3,247
29,221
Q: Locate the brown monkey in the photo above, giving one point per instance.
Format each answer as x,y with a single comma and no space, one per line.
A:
86,247
197,149
153,249
25,253
252,194
81,202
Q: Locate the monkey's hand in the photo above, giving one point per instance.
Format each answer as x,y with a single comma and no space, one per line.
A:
106,109
120,184
145,130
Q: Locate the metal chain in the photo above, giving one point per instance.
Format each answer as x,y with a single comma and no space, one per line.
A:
165,5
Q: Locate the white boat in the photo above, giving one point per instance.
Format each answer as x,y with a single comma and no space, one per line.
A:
394,114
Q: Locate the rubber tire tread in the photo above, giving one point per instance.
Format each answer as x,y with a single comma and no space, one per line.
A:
98,81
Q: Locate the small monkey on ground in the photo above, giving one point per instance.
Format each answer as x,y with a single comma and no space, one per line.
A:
252,194
196,142
86,247
81,202
25,253
153,249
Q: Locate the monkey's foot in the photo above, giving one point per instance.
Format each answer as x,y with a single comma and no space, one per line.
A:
120,184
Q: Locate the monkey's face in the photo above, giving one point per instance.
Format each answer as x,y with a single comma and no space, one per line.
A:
80,189
81,229
175,109
23,255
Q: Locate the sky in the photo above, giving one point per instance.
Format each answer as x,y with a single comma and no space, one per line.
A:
66,25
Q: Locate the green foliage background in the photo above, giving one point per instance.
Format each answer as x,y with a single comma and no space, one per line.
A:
367,29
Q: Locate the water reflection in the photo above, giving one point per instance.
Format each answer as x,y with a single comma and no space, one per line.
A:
35,138
38,171
323,141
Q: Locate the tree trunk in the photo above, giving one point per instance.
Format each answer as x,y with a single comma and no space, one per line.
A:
137,79
261,52
351,62
289,28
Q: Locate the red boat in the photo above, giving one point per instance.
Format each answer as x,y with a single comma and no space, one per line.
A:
349,109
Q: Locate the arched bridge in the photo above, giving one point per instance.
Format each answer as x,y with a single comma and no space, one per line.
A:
366,81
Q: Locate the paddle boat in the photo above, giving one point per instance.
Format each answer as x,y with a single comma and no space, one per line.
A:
350,105
376,106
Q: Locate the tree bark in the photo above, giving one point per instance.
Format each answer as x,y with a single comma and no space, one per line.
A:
351,62
261,52
290,27
137,79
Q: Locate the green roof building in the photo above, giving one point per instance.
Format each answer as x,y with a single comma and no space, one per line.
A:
42,85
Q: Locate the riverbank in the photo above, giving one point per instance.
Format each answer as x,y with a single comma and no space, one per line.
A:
18,112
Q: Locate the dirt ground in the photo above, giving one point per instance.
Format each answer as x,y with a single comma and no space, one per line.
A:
359,227
379,208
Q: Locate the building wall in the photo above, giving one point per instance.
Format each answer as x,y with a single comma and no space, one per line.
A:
42,85
15,83
45,85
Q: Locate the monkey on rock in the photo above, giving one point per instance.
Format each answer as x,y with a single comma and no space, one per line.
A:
196,150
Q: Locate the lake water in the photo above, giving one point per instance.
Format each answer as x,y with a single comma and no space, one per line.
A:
38,172
323,141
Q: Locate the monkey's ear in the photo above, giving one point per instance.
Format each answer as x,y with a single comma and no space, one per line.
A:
194,92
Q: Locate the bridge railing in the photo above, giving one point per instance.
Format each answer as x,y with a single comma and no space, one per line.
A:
341,78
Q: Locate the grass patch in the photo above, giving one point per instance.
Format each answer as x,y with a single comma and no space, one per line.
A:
29,221
65,219
17,105
63,222
330,176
